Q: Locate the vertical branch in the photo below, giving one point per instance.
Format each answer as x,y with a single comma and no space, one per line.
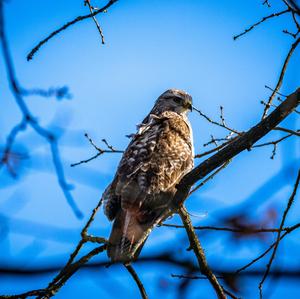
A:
137,280
87,2
199,252
289,204
281,76
29,119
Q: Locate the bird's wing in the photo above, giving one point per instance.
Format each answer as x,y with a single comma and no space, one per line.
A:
157,157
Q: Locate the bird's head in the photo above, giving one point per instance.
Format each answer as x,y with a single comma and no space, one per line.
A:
175,100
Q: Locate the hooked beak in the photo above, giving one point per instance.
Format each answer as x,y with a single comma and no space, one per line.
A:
188,105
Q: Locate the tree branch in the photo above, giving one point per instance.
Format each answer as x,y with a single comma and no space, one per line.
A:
281,76
137,280
199,252
289,204
67,25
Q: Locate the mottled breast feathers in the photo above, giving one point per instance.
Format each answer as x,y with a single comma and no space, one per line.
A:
158,156
141,193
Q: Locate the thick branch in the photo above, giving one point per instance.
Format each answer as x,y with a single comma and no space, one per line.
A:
240,144
199,252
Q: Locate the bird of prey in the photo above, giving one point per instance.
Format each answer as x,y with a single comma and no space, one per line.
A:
158,156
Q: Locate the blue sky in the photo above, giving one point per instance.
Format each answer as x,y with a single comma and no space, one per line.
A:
150,47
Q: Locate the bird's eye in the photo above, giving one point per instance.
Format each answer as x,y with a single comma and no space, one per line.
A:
177,100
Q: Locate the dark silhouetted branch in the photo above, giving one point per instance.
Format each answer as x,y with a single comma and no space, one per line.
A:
273,15
241,143
92,10
221,124
199,253
275,143
137,280
67,25
289,204
293,132
281,76
245,230
288,231
100,151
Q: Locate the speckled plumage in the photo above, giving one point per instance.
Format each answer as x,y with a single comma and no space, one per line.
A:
158,156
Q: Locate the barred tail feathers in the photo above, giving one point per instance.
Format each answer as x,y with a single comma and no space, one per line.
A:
128,229
126,232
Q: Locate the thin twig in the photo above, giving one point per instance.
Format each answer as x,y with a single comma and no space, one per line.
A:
293,132
79,246
289,204
95,20
137,280
288,231
100,151
67,25
210,177
280,100
294,35
180,276
246,230
214,149
274,143
222,124
260,22
277,92
281,76
266,2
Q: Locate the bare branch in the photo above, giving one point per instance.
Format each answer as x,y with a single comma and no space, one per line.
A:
260,22
266,2
67,25
296,133
137,280
275,143
222,124
101,151
87,2
289,204
196,246
30,120
210,177
245,141
281,76
241,143
214,149
245,230
59,92
294,35
288,231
